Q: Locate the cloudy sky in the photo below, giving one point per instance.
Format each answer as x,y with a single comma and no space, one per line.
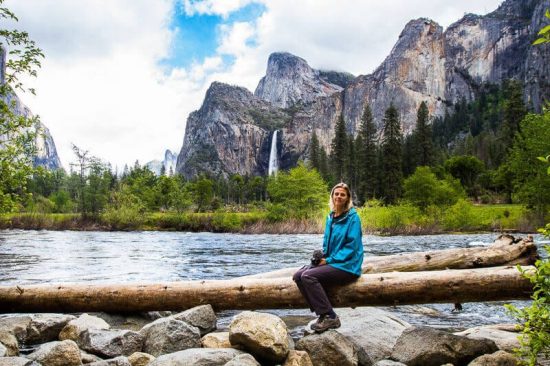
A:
120,77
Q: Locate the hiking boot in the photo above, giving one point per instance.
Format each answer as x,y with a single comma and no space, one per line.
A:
325,324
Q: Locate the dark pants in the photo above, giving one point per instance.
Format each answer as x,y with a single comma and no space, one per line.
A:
312,282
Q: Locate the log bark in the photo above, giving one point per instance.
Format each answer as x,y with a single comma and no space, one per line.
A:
505,250
395,288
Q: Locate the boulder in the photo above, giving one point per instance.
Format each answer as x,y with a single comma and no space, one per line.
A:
330,348
88,357
499,358
243,360
76,326
16,325
110,343
216,340
17,361
117,361
3,351
168,335
57,353
424,346
197,357
505,336
140,358
389,363
46,327
202,317
373,330
298,358
9,341
263,335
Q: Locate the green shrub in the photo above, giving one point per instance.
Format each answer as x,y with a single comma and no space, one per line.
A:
460,216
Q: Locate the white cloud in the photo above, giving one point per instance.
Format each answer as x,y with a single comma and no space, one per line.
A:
101,86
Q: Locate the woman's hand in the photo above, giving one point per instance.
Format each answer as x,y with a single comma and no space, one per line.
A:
323,262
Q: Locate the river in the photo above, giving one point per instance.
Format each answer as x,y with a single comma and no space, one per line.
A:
34,257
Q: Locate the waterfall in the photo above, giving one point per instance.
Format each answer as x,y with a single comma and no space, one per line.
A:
273,159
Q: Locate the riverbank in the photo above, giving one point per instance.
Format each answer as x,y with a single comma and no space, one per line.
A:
392,220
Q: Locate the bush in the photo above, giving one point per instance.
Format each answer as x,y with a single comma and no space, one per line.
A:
460,216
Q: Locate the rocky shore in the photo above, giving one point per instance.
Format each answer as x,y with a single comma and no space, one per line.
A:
368,336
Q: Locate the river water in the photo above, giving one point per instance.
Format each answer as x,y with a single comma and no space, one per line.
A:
34,257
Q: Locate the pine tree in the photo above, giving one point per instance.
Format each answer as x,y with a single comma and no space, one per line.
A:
367,166
392,145
514,111
339,150
314,153
423,138
351,166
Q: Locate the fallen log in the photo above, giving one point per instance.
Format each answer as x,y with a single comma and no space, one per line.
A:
505,250
393,288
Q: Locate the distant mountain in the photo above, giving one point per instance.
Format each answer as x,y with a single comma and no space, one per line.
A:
231,132
46,153
169,164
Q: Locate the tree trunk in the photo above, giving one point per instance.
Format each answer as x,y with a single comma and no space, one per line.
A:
505,250
395,288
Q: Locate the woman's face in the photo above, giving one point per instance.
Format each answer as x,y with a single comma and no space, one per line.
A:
340,197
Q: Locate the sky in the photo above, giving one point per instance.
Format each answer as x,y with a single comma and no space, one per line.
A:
120,77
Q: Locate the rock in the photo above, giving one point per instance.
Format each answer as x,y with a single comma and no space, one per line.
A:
373,330
243,360
16,325
505,337
202,317
298,358
216,340
46,327
110,343
168,335
117,361
57,353
499,358
389,363
263,335
140,358
330,348
3,351
88,357
197,357
9,341
17,361
424,346
76,326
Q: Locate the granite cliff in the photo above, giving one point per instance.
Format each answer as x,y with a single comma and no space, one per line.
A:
231,132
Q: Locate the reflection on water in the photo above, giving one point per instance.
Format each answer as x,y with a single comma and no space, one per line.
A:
32,257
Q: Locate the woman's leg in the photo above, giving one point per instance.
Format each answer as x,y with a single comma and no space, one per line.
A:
297,277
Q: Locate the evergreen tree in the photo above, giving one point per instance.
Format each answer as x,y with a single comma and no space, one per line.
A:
314,153
339,150
351,166
423,137
367,166
392,145
514,111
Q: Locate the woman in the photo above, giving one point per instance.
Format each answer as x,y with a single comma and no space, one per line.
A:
343,257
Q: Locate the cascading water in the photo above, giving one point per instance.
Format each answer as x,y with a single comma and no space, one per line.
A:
273,158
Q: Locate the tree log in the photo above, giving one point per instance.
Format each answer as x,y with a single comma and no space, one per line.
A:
393,288
505,250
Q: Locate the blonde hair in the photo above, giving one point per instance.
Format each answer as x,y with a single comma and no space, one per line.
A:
350,201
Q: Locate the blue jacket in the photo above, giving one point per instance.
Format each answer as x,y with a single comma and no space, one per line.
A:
342,243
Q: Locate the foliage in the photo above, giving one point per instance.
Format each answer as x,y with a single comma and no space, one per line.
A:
424,189
339,151
544,33
16,130
367,153
418,146
300,193
467,169
391,155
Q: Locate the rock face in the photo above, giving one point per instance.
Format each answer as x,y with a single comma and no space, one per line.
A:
231,133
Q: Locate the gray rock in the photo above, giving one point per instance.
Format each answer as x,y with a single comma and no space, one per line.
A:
389,363
423,346
117,361
57,353
329,348
243,360
298,358
140,358
202,317
197,357
76,326
373,330
499,358
17,361
110,343
9,341
16,325
263,335
504,336
3,351
88,357
168,335
46,327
